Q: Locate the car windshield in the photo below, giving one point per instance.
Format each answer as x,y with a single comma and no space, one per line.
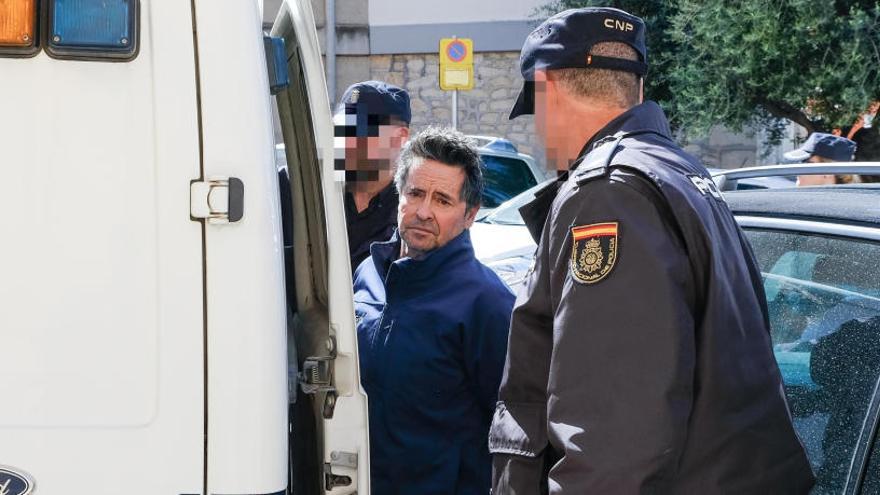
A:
504,178
823,297
508,212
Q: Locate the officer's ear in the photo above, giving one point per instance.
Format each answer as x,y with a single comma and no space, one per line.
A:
546,88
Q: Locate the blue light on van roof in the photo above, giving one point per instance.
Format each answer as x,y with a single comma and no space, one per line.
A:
93,28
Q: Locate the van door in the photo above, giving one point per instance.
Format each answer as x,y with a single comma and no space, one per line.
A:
246,341
329,447
101,302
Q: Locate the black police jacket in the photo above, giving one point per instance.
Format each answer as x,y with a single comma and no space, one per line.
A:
640,358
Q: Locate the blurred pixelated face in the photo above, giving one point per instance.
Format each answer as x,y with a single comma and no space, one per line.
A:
549,124
367,150
431,212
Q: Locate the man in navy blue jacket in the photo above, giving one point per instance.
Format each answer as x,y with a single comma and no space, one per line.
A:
432,329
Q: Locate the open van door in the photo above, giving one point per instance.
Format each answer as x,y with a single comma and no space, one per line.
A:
328,439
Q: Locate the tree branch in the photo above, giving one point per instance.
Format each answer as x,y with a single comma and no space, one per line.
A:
785,111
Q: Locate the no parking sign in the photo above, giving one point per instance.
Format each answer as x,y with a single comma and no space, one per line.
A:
456,64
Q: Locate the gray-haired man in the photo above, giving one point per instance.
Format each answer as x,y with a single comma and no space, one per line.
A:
432,328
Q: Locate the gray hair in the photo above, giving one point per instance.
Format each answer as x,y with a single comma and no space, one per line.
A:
450,147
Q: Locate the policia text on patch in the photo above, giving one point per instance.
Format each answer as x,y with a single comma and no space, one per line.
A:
593,251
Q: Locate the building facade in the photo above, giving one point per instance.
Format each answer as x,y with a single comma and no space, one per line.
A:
398,42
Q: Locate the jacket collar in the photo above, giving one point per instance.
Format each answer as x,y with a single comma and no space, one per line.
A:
385,255
647,116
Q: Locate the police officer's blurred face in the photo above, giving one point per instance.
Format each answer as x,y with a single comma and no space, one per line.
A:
546,126
372,154
556,123
431,211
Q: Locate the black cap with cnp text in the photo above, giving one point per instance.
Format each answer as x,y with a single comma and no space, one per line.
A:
564,41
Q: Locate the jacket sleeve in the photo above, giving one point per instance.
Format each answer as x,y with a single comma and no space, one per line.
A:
621,381
487,343
518,435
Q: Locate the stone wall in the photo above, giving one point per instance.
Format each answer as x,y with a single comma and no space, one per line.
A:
482,111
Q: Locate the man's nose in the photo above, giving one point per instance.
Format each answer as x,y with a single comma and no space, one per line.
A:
424,211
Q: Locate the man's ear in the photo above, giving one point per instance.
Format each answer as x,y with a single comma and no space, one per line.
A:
470,216
402,133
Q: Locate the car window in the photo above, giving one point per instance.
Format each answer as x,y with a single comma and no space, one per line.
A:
823,297
504,178
508,212
745,186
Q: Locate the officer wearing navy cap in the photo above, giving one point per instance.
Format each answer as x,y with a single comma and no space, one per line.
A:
823,148
371,126
639,358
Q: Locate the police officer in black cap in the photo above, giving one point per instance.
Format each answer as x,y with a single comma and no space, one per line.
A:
640,358
371,127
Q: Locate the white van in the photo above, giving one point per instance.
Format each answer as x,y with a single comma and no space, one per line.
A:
171,321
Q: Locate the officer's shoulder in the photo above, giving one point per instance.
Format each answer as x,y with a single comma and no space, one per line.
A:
613,161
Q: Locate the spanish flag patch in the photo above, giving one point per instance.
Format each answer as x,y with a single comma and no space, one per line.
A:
593,251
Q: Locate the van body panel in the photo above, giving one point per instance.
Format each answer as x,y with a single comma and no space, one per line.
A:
101,293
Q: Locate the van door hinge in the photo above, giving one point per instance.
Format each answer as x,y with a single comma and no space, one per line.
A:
317,375
218,200
339,459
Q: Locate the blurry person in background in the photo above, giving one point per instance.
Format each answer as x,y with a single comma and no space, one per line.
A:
824,148
371,126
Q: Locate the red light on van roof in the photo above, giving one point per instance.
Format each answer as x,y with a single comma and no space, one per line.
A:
18,23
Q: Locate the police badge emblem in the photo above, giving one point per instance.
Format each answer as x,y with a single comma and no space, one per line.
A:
593,251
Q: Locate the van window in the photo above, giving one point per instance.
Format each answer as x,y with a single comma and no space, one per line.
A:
823,297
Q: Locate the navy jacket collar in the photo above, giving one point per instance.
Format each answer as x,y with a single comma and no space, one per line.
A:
647,116
386,254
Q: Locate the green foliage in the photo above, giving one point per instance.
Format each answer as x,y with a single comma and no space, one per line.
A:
799,60
756,62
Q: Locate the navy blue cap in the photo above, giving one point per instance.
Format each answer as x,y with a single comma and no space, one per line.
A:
383,102
564,41
836,148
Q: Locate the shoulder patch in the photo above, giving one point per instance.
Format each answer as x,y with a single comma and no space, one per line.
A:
593,251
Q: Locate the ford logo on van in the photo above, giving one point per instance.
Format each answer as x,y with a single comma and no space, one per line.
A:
14,482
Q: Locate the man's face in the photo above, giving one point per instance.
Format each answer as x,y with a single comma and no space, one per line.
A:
547,117
431,212
552,122
370,155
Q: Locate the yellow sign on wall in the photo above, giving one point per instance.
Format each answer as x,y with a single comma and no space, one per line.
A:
456,64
